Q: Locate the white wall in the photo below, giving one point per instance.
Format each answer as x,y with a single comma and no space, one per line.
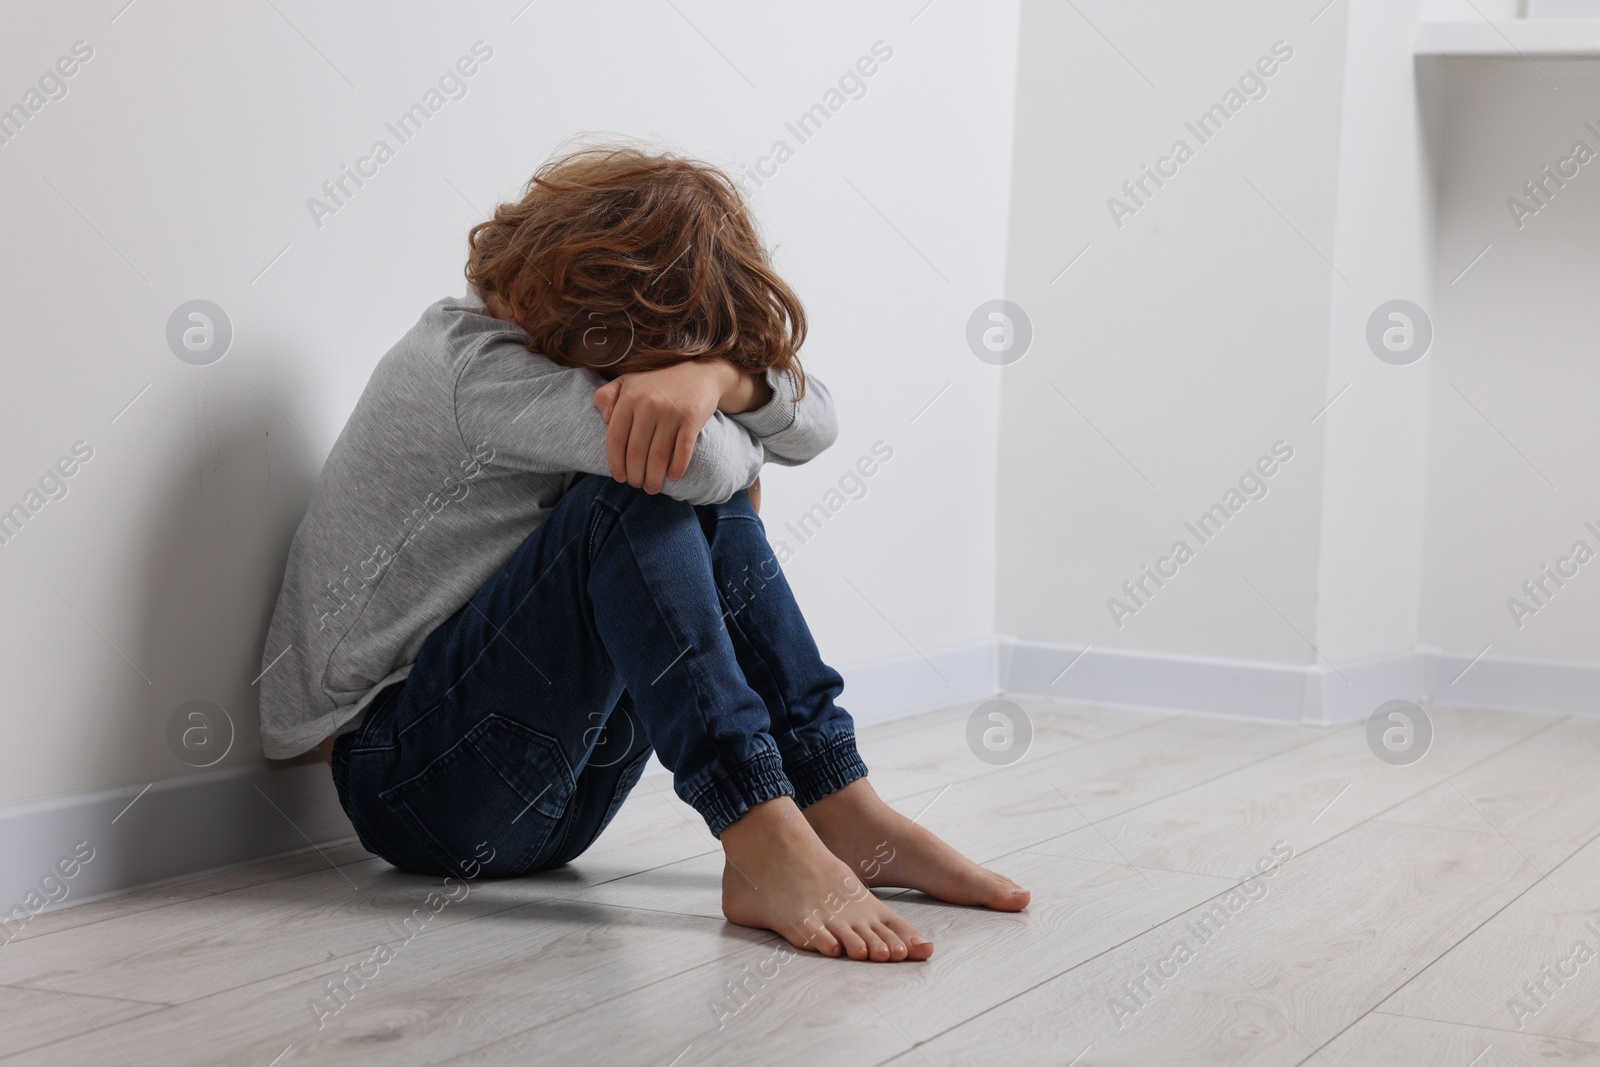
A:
1211,322
1190,338
1375,460
1513,474
178,167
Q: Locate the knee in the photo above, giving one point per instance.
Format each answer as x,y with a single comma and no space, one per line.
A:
737,506
734,514
641,506
733,524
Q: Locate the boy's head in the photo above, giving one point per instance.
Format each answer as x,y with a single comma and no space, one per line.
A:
624,260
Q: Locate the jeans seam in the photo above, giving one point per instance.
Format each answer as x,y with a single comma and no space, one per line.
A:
340,765
422,715
622,794
688,657
588,544
732,623
468,603
498,636
612,805
566,833
396,797
384,704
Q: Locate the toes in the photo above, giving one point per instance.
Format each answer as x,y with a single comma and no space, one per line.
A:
853,944
877,947
897,947
917,946
1003,894
1010,898
816,939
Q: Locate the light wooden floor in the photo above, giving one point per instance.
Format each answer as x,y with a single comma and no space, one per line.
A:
1417,903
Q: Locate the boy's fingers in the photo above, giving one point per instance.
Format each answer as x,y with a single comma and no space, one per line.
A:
605,399
617,441
639,438
660,456
682,452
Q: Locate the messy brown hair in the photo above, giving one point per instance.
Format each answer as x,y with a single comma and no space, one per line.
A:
650,253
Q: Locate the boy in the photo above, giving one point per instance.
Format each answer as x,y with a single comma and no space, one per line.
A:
533,556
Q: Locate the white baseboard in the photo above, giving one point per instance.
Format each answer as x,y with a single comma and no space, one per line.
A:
1563,687
1152,680
185,826
176,829
1319,693
1341,692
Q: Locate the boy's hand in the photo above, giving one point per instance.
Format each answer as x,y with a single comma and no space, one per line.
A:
656,416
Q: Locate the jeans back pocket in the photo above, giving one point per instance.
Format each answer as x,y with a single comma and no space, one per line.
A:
487,805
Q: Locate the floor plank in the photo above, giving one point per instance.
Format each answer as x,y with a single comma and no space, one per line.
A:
938,746
1301,797
449,989
188,889
1038,799
1379,1040
1534,967
228,939
1416,902
982,959
1333,932
31,1018
1538,788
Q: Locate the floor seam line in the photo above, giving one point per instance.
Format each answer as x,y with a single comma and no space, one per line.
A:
81,1033
1479,1026
1335,837
189,900
1543,875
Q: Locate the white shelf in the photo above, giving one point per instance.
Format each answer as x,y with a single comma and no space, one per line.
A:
1533,38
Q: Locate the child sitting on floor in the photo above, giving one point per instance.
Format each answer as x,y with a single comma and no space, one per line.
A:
533,557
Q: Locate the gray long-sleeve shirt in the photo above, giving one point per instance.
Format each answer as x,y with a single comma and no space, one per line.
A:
461,443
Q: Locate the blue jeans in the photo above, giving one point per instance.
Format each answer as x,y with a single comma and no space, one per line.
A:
624,622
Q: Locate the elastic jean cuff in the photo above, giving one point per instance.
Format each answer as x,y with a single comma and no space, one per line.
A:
824,772
723,798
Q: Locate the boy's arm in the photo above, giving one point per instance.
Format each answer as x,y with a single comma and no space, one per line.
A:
792,431
655,416
539,416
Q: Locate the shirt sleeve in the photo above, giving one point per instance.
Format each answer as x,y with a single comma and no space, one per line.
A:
540,416
793,430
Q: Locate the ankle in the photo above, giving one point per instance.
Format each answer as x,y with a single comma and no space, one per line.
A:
842,810
775,820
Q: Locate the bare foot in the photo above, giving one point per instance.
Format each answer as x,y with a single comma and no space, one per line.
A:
779,876
888,849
